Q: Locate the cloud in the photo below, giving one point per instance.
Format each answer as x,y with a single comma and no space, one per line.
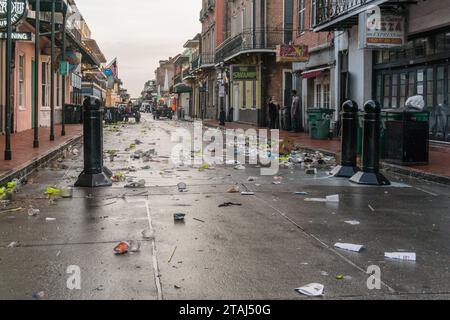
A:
140,33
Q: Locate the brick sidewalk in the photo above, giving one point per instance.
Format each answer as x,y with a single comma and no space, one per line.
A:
437,170
23,152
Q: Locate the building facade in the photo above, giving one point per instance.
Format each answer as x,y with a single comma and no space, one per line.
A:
391,51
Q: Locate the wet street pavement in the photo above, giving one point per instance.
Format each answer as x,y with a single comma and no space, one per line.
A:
271,243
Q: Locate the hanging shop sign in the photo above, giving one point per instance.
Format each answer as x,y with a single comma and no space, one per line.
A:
244,73
292,53
18,36
18,12
381,29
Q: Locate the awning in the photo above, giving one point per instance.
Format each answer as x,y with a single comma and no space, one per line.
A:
182,88
314,73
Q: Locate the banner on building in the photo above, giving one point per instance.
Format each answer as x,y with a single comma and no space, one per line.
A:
292,53
244,73
381,29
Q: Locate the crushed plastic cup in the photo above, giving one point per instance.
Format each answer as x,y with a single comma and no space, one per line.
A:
122,248
32,212
311,290
349,247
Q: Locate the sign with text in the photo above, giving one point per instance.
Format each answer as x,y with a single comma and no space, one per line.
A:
244,73
18,36
18,12
382,30
292,53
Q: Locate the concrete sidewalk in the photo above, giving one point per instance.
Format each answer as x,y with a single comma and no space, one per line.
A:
436,171
25,158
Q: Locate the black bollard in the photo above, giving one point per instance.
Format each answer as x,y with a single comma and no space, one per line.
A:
349,154
370,174
94,172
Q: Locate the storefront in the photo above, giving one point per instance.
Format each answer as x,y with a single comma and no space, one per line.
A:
422,67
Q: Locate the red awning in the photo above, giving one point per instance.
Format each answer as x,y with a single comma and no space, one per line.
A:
313,73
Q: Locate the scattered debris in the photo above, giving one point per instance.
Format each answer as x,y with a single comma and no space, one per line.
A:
147,234
311,171
233,189
39,295
247,193
118,177
371,208
353,222
311,290
229,204
239,167
173,253
199,220
32,212
179,216
182,187
122,248
14,244
50,219
12,210
405,256
75,152
135,246
301,193
136,185
277,180
251,179
349,247
333,198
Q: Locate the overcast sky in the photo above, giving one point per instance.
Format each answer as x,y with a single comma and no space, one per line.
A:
140,33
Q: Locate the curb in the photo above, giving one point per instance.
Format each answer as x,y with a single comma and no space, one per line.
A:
27,168
387,167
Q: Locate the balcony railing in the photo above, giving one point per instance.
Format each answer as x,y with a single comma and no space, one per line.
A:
331,11
207,58
250,40
195,62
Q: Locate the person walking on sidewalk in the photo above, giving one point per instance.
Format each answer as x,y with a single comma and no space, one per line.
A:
274,109
295,112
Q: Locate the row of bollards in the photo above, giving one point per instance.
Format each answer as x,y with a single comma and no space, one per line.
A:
369,174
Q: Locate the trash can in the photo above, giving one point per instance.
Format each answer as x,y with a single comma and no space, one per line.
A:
319,122
406,137
73,114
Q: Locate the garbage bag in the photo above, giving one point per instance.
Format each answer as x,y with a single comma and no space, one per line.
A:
415,103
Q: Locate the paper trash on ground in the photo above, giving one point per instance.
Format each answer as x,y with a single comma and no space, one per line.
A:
333,198
405,256
311,290
349,247
353,222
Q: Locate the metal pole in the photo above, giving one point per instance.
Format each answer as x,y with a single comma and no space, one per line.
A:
63,80
8,155
37,53
52,76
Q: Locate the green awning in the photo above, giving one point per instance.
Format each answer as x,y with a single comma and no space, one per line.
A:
182,88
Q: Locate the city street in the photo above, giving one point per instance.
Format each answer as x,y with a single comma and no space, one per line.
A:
263,247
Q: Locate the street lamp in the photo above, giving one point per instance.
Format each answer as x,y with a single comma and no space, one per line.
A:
8,154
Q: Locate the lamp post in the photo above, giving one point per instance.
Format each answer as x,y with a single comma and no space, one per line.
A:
8,154
63,80
36,75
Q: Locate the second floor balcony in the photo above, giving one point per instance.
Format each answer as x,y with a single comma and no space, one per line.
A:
341,14
258,40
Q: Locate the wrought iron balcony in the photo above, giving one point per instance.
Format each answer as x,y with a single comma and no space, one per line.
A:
340,14
262,40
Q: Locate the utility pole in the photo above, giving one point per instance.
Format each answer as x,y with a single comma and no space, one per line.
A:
8,154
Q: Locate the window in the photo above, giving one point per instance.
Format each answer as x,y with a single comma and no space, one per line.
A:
288,20
430,88
301,15
313,13
394,91
58,89
45,84
322,94
386,92
440,86
403,88
22,101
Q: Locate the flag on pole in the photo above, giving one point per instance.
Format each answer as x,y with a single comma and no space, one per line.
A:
112,70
